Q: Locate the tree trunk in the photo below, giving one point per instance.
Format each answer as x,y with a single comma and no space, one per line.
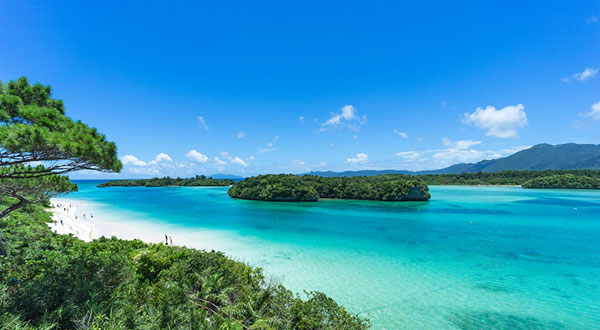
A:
22,202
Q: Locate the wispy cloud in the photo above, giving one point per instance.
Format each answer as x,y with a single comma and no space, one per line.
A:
240,135
591,19
202,123
401,134
586,74
460,144
218,161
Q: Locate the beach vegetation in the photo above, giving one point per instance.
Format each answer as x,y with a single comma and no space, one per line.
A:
52,281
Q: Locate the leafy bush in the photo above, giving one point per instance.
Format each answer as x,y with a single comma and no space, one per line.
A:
51,281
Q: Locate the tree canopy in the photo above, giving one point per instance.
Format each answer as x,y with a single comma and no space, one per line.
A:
289,187
564,181
38,142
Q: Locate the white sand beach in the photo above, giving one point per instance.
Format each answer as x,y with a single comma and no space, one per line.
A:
88,221
67,221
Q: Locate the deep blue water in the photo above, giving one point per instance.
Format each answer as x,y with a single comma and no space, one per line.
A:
471,258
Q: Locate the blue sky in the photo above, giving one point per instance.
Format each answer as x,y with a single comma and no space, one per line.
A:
270,87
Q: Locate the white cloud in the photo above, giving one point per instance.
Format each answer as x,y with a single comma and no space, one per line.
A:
219,161
297,162
502,123
238,161
263,150
240,135
251,158
162,157
591,19
595,113
360,158
401,134
322,164
460,144
132,160
301,119
586,74
202,122
410,156
196,156
347,118
454,156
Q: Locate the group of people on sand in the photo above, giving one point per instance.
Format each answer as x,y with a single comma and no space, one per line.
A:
168,240
67,209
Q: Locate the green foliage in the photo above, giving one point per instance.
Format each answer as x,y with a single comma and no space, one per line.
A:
50,281
35,128
500,178
288,187
564,181
283,187
197,181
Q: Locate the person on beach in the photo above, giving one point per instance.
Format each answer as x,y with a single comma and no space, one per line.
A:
170,240
166,240
61,223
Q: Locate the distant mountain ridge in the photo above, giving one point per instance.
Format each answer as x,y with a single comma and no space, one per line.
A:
569,156
226,176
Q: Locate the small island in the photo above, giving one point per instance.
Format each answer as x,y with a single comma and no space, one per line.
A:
309,188
197,181
565,181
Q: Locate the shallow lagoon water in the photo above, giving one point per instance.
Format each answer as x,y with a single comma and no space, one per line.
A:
471,258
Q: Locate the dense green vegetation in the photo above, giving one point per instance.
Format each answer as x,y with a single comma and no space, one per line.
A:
51,281
288,187
197,181
283,187
500,178
564,181
35,129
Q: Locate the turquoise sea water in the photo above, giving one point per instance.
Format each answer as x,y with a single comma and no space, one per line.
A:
471,258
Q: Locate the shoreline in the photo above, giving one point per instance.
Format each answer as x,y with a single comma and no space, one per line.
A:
66,221
100,223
